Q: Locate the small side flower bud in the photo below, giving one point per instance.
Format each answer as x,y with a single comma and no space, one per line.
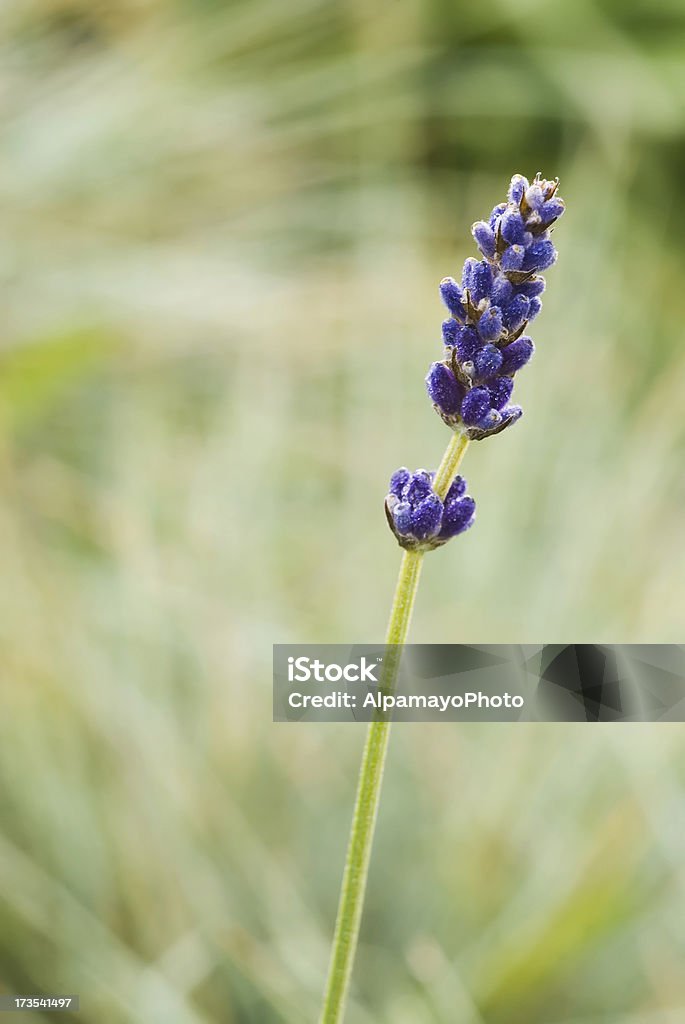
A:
513,228
485,237
451,296
444,390
457,489
490,324
500,391
398,480
467,344
418,487
402,515
535,197
475,407
516,312
510,415
517,188
426,518
517,354
488,361
477,277
532,288
450,331
502,292
496,214
512,258
458,515
552,210
539,256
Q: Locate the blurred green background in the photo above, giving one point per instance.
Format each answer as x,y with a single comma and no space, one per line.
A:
223,229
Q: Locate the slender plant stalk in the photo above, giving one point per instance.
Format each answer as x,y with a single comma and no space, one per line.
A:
373,761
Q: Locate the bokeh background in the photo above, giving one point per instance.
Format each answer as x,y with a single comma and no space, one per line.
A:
223,229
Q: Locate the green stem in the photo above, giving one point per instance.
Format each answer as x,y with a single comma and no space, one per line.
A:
451,460
371,773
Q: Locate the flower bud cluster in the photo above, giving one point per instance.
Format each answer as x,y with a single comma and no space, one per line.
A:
416,515
485,339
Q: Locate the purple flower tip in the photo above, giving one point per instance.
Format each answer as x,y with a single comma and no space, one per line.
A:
498,296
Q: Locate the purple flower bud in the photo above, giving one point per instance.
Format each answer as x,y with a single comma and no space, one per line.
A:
512,258
490,324
539,256
402,516
426,518
518,186
477,277
444,390
450,331
502,292
500,391
451,296
534,308
532,288
457,489
399,480
488,361
513,228
552,210
491,420
458,515
535,197
496,214
512,413
467,271
418,487
467,344
476,407
485,237
517,354
516,312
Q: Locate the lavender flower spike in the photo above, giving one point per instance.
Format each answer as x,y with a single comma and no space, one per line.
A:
420,520
484,346
498,297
